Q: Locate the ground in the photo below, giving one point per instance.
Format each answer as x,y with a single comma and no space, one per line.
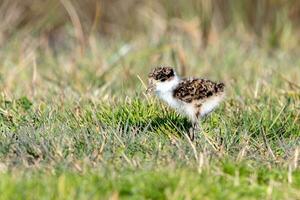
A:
78,125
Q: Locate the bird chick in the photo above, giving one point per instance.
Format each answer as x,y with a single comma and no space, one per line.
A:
192,97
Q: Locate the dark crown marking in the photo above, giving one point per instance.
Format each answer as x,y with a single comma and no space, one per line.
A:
162,73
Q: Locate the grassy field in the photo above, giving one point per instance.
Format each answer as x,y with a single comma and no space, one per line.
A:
79,125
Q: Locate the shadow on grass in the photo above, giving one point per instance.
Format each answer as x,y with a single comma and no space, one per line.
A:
144,116
167,124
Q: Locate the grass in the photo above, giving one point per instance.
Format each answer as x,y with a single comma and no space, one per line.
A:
79,126
233,182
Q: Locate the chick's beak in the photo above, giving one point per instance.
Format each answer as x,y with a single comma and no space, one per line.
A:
150,88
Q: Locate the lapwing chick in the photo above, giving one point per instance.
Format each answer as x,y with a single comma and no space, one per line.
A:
192,97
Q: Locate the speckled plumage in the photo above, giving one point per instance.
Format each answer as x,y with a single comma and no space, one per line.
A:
189,90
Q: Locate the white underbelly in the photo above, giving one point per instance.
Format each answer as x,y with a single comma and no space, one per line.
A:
170,100
189,109
210,104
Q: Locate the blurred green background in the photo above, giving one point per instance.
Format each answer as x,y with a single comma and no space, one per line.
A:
270,22
82,44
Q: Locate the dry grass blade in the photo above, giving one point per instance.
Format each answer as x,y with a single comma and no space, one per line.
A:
266,143
76,22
